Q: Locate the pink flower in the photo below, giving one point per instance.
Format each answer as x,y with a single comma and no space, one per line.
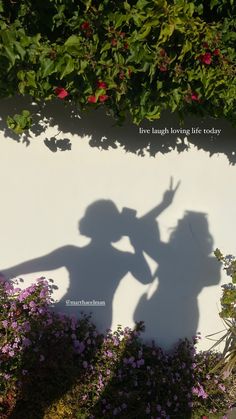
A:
122,34
195,97
101,85
113,42
216,52
163,68
61,92
103,98
92,99
205,58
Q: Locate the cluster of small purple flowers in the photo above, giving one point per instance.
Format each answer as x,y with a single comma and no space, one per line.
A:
29,329
118,373
148,381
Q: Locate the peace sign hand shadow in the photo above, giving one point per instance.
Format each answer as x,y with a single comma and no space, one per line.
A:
170,193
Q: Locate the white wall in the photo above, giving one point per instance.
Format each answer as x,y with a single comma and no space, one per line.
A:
45,194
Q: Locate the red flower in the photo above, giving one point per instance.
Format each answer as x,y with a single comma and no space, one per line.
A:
205,45
126,45
216,52
103,98
122,75
101,85
85,26
113,42
92,99
162,52
61,92
205,58
194,97
163,68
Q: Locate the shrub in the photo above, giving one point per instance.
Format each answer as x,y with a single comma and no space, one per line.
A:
40,351
228,314
132,57
46,357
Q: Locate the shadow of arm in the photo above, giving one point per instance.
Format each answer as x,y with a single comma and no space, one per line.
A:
140,268
47,262
166,201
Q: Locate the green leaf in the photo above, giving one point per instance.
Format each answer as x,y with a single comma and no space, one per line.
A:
69,67
145,33
30,77
10,55
21,51
47,67
72,41
154,114
127,6
166,32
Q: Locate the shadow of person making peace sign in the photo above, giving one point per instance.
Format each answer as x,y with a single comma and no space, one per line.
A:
96,269
185,267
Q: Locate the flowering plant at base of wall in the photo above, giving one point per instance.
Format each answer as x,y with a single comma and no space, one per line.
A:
136,57
228,314
54,366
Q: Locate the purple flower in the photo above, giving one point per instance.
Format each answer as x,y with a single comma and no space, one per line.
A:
26,326
140,362
23,295
5,323
26,342
115,341
109,354
42,310
79,346
200,392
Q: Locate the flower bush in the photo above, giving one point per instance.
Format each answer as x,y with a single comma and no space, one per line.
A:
135,57
53,366
38,347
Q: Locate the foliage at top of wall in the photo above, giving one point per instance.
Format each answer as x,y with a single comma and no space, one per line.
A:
134,57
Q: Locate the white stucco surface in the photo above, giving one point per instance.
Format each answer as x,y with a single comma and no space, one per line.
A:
45,194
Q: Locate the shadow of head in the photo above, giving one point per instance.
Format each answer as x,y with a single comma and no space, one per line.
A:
102,222
192,233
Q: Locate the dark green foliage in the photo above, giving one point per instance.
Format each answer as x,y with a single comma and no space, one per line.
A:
133,57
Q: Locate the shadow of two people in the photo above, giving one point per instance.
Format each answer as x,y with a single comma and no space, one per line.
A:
185,267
